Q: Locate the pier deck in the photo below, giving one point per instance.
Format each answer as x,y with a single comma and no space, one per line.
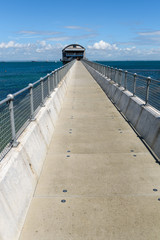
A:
108,173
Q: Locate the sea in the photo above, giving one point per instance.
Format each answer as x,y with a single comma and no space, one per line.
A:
17,75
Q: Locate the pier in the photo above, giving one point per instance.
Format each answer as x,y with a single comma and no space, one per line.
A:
98,178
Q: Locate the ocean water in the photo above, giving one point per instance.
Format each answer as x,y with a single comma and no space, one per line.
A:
17,75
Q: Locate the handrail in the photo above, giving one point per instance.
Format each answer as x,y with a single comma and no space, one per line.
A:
146,88
20,108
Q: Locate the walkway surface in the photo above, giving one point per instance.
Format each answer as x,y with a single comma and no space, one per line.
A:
98,165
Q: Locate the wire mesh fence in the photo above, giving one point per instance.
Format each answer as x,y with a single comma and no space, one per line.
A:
154,94
5,129
147,89
17,110
130,82
37,96
141,86
51,82
45,85
123,79
22,110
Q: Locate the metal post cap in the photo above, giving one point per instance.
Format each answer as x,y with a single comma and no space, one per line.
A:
10,96
30,85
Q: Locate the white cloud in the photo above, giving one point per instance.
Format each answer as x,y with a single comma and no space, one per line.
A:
12,44
65,36
105,51
42,33
39,51
59,39
148,39
102,45
152,33
42,43
101,50
73,27
27,32
127,49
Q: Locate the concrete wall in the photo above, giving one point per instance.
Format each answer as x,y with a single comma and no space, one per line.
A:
20,169
145,119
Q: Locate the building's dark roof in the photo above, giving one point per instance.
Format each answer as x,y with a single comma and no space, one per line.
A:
73,46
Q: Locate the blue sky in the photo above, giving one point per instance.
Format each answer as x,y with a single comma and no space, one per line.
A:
109,30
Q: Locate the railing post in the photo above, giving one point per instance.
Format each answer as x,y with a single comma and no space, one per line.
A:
125,80
114,74
12,121
53,75
62,72
147,90
116,71
107,71
49,85
55,78
42,92
111,73
134,84
119,77
59,75
51,81
31,101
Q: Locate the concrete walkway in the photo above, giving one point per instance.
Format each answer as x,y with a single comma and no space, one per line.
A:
98,165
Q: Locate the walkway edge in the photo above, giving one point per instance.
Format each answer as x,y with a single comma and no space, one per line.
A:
21,167
145,119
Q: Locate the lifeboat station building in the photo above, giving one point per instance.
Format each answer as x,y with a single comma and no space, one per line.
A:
71,52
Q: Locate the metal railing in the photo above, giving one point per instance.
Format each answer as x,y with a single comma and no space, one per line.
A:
20,108
146,88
